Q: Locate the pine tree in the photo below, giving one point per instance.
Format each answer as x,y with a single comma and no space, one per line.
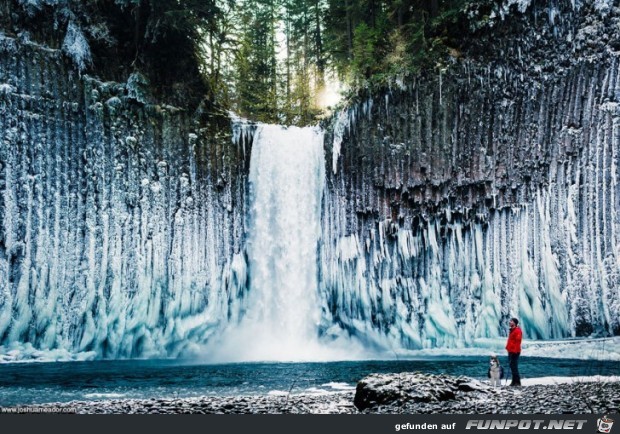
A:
256,61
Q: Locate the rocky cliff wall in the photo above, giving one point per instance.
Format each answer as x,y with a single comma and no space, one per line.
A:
121,223
484,191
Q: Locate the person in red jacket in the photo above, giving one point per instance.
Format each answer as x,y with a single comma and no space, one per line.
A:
513,346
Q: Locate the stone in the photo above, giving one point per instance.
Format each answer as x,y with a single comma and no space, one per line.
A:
389,389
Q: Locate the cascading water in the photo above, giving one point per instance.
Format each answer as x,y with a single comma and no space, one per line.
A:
281,313
286,182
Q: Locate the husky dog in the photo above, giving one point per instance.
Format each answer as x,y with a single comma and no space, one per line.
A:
496,372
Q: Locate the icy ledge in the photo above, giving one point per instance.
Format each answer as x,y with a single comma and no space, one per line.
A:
578,349
19,353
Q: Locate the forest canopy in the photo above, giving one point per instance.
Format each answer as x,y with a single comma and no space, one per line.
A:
269,60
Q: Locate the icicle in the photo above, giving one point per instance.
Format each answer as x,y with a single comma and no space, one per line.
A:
242,130
341,125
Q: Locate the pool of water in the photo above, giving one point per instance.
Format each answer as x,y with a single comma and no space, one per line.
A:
29,383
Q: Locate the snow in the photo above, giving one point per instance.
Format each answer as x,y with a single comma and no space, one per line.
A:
606,349
338,386
506,6
137,85
317,392
6,88
603,7
342,124
76,46
332,388
110,395
569,380
522,5
114,102
33,6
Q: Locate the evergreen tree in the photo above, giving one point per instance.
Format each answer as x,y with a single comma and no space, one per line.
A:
256,62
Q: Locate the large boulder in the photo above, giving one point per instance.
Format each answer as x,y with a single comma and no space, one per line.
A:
387,389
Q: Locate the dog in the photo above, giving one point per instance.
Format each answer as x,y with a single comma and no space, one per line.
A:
496,372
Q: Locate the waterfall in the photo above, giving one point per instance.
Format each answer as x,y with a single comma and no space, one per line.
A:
286,186
281,313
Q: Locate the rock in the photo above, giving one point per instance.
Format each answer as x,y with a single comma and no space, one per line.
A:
470,385
386,389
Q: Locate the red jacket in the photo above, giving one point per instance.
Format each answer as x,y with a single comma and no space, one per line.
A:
514,340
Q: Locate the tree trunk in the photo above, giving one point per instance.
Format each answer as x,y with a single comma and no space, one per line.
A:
287,31
320,66
349,29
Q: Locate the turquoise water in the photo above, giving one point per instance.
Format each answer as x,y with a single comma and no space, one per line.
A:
29,383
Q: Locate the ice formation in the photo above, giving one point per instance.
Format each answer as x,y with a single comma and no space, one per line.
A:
121,230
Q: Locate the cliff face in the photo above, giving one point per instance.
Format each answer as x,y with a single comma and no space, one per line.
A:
486,191
121,222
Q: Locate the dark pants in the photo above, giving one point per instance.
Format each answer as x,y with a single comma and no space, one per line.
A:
513,361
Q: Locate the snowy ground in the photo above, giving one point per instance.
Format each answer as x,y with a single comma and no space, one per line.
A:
545,381
579,349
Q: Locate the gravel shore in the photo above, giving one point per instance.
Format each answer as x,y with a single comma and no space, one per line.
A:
540,399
